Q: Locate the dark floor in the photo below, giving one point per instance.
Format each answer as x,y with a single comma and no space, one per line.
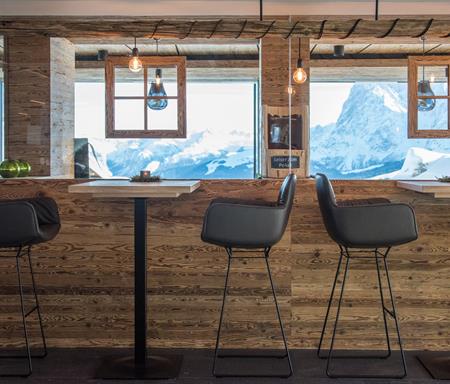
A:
70,366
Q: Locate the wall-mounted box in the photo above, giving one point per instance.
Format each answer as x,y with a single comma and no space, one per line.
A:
276,152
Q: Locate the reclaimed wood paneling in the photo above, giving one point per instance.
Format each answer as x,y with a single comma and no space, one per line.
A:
40,103
85,275
229,27
28,101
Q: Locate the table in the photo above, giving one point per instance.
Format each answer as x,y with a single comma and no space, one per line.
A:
437,364
440,190
139,366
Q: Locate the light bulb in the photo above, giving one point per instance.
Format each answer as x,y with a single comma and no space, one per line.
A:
290,90
135,64
300,75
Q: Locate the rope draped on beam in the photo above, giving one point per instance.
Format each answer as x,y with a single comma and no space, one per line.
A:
249,28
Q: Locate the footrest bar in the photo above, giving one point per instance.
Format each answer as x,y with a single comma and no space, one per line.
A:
390,313
31,311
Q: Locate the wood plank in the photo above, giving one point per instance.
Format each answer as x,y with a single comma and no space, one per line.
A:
85,275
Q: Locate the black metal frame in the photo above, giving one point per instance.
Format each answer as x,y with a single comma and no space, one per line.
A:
225,291
344,252
22,251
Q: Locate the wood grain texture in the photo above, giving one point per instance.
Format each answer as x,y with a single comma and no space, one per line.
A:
85,275
406,28
28,101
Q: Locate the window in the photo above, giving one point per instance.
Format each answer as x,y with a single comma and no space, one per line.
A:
359,127
148,103
429,97
219,143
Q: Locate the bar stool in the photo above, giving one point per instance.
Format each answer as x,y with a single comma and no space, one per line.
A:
249,225
364,227
24,223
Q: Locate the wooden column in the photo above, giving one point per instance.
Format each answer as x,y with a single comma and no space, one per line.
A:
28,101
274,93
39,70
62,106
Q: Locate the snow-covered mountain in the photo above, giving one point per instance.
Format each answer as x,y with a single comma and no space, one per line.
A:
369,138
171,158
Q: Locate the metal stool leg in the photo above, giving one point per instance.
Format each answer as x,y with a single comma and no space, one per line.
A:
216,352
393,314
37,307
385,311
21,252
24,324
329,304
229,252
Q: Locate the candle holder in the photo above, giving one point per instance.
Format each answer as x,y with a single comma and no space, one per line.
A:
145,177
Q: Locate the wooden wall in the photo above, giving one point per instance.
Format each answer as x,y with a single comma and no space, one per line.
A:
85,275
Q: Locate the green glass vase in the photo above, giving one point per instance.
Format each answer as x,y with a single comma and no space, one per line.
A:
9,168
24,168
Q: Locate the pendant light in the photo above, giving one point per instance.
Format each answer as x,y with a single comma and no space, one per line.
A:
135,64
424,89
300,75
157,90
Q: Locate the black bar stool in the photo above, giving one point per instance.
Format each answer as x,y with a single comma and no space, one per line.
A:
249,225
24,223
362,229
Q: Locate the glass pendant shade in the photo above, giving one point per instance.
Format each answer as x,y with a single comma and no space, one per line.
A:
424,89
157,90
135,64
300,75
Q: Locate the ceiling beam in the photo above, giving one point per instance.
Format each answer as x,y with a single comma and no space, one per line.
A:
145,27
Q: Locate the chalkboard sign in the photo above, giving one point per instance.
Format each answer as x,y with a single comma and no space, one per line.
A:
282,162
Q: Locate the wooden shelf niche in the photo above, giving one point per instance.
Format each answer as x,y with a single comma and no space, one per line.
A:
276,141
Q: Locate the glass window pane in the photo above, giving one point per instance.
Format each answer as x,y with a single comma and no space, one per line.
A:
434,77
128,83
165,119
129,115
162,81
435,118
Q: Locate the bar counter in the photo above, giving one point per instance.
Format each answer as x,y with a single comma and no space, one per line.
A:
85,276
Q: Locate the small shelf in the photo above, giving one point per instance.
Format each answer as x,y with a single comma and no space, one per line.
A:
437,188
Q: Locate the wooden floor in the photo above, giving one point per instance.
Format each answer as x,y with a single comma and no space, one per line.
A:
70,366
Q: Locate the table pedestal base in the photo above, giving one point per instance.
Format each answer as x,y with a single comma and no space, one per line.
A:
438,365
156,367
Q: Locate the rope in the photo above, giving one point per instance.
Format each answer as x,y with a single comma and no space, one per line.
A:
352,29
267,30
190,30
322,28
215,29
430,22
292,30
390,29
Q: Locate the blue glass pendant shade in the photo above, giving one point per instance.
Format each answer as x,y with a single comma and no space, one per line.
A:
424,89
157,89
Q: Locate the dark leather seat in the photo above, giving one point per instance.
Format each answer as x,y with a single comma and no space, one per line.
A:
28,221
235,223
368,223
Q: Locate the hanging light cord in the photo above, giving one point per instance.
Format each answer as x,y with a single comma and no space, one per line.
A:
377,9
423,38
290,102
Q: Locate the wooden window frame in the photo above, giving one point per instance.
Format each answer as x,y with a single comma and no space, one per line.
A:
414,62
113,62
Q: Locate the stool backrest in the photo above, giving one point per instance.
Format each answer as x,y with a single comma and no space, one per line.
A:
327,202
286,196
